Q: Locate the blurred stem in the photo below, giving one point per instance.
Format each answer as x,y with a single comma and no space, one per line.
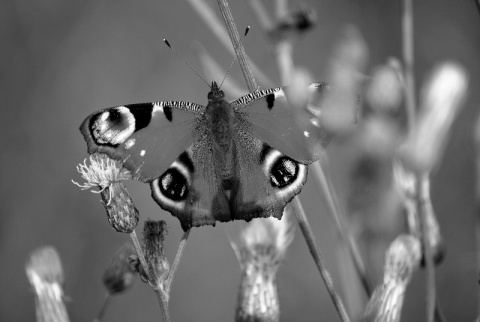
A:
261,14
318,259
176,261
407,26
422,200
342,226
237,45
103,309
408,59
212,21
478,5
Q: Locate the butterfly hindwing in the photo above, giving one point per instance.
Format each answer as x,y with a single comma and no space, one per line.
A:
264,181
145,137
272,120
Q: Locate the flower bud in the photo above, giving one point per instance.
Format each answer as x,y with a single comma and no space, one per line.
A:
121,211
118,277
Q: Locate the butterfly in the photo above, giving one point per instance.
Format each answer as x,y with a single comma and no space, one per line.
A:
242,159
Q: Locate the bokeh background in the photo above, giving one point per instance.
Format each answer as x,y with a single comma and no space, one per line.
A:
61,60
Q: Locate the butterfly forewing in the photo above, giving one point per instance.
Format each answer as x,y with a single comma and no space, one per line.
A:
146,137
272,120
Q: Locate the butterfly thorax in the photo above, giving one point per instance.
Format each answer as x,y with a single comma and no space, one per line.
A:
219,116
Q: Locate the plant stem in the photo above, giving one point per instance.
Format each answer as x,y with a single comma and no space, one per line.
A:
407,35
342,226
103,309
318,259
237,45
176,261
422,199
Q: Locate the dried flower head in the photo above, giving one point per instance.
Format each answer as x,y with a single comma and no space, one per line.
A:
118,277
260,247
401,260
45,273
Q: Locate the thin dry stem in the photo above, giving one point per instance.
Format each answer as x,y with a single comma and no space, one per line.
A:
104,307
318,259
176,261
342,226
215,25
407,26
237,45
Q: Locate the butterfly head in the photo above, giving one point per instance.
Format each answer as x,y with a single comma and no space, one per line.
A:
215,93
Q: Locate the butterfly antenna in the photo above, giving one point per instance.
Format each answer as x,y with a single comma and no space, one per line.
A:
235,59
186,63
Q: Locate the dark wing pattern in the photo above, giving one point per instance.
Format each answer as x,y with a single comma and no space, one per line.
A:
145,137
273,120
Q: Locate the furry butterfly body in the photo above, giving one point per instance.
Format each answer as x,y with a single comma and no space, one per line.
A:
220,162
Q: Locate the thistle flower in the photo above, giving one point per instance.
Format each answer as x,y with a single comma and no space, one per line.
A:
107,175
401,260
118,277
442,98
45,273
260,248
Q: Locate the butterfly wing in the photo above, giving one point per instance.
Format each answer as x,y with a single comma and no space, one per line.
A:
265,180
145,137
268,179
272,120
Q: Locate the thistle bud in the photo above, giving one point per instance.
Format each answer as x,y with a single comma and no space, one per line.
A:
260,247
401,260
118,277
154,234
121,211
45,273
